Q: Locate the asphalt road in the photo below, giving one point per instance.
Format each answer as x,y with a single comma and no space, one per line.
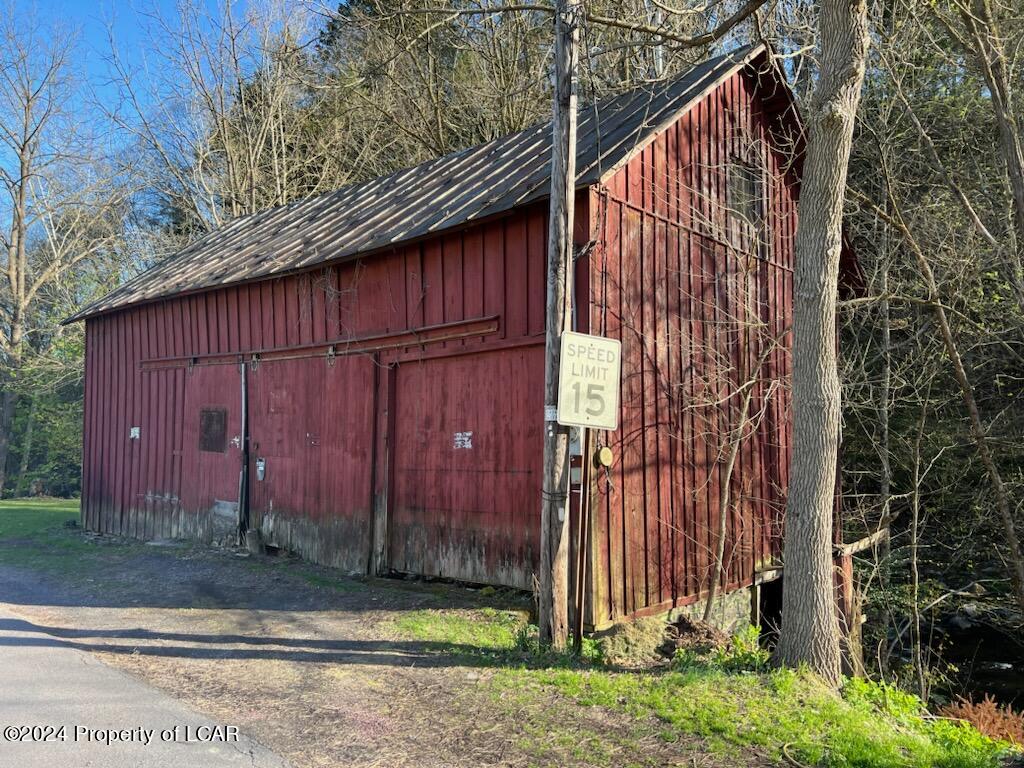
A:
44,683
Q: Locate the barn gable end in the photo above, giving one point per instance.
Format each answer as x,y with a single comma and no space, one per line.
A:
701,299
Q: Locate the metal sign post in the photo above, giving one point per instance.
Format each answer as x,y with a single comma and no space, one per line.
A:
589,375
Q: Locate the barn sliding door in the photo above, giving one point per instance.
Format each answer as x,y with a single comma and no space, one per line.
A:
211,453
311,456
467,467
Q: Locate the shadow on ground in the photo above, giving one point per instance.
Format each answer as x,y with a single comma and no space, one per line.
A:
202,603
20,632
73,569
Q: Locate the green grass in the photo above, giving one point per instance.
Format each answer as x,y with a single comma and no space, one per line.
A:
21,518
33,535
783,714
483,630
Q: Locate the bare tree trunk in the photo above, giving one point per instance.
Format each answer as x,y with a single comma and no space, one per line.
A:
988,40
7,402
915,574
725,501
983,41
554,525
61,205
745,424
884,397
810,624
26,444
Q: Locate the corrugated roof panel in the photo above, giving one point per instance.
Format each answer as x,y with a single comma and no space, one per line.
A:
436,195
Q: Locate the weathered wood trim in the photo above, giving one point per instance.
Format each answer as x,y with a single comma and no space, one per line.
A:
582,549
419,355
767,574
377,499
383,481
431,334
665,606
596,605
854,547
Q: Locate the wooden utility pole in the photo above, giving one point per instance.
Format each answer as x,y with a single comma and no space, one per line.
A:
554,523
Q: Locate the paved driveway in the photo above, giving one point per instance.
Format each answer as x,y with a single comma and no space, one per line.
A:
98,716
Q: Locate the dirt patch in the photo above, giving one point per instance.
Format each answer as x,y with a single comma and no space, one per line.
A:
633,644
651,642
692,635
309,662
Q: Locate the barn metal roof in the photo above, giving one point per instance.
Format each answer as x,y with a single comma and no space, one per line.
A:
453,190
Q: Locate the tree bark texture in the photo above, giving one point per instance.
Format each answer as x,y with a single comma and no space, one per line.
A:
810,625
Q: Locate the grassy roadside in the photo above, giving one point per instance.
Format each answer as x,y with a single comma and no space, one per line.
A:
33,534
42,535
558,709
732,701
22,518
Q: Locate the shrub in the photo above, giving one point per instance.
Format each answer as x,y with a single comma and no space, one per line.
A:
987,716
960,741
884,697
741,653
744,652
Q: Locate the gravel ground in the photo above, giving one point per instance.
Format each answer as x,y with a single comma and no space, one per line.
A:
309,663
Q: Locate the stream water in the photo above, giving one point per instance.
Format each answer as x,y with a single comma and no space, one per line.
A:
989,661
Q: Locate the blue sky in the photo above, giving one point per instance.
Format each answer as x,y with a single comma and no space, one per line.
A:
91,20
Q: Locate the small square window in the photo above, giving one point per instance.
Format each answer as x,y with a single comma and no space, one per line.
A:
213,430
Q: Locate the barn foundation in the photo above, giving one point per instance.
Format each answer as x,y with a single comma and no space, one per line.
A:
730,613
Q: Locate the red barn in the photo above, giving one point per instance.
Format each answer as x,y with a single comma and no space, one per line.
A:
359,376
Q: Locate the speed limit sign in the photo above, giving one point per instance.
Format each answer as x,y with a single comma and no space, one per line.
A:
588,381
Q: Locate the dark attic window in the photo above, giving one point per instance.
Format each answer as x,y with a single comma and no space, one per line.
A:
213,430
746,205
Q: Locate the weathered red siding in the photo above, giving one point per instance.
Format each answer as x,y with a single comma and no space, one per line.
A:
311,421
695,309
361,433
466,466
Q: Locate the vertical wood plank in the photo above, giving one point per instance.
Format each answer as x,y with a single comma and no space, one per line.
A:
493,272
516,286
536,271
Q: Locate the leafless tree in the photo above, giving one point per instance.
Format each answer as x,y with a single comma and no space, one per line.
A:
219,109
62,200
